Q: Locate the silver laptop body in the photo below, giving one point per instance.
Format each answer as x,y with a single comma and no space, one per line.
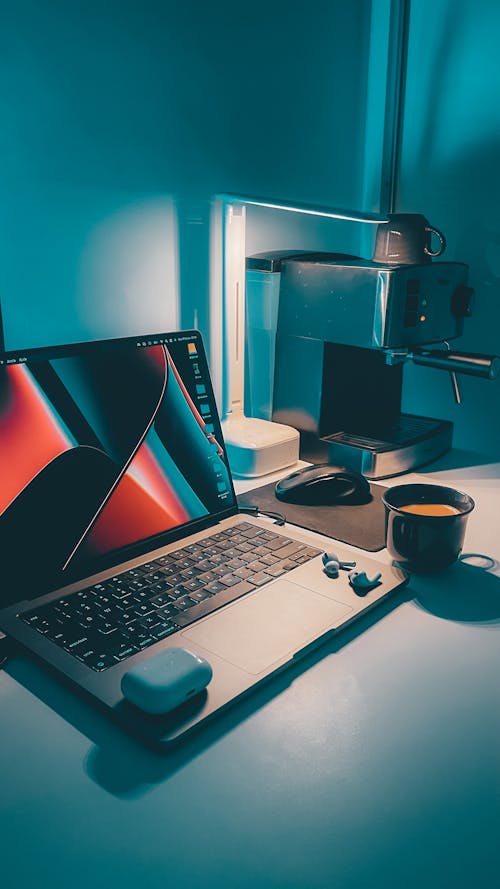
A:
121,474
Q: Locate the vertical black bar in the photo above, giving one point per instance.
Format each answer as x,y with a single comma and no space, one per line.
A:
394,104
2,339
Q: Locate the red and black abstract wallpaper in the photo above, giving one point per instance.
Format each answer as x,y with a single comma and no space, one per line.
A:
99,450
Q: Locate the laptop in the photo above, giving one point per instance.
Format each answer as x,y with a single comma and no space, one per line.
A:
120,533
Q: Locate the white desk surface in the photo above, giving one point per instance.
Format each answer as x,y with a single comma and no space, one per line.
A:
375,762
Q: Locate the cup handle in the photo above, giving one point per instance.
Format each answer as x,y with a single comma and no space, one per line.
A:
441,238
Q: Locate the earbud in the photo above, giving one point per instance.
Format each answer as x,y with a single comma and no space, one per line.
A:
362,584
331,568
332,564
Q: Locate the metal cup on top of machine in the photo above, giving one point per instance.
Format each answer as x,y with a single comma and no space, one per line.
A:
345,328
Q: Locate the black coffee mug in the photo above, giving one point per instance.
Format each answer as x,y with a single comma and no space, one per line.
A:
420,542
407,240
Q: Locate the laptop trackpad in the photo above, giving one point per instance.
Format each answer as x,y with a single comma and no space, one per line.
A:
256,632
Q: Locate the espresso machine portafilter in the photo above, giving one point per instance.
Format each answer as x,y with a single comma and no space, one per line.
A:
346,327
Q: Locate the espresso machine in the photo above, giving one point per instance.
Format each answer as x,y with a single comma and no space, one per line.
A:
346,327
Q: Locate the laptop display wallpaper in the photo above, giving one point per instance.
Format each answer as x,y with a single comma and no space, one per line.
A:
99,450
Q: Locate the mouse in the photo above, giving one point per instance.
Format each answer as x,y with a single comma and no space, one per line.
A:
324,485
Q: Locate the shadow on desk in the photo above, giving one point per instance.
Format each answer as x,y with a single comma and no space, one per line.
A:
127,769
462,459
468,595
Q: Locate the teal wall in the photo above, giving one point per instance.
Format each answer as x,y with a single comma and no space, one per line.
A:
451,172
121,119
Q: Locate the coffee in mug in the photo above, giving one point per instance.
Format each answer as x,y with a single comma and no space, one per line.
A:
425,525
430,509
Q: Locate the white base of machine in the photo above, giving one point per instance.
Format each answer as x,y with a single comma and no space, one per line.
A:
257,447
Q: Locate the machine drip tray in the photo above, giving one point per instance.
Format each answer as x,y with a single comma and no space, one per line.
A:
405,445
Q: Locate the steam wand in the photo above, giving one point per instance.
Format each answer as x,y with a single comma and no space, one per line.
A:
454,380
486,367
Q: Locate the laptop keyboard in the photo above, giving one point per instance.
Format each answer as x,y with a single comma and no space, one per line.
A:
110,621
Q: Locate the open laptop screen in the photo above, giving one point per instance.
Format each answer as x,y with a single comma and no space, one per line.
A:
104,448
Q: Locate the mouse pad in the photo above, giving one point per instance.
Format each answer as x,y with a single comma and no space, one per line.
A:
362,526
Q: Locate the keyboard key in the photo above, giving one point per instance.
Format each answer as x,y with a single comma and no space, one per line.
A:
251,531
220,537
219,570
257,566
110,613
124,652
207,576
136,585
200,595
300,558
120,644
230,553
269,559
206,565
150,620
96,660
127,617
139,636
312,552
259,579
155,577
168,611
276,570
209,551
191,572
236,563
229,580
288,550
97,588
84,596
215,587
260,551
183,603
79,644
132,574
164,630
106,628
145,641
88,621
243,573
164,561
175,579
279,543
244,548
193,584
61,633
31,618
144,610
162,599
162,587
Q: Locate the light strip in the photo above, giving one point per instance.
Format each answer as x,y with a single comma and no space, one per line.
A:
307,209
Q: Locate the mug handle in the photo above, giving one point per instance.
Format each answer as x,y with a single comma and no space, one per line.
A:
442,242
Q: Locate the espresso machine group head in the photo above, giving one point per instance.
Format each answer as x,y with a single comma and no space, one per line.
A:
345,328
